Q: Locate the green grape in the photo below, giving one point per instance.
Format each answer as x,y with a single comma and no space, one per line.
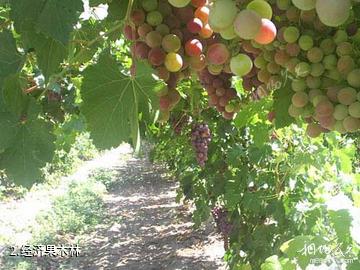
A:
328,46
313,82
300,99
353,78
302,69
330,61
344,48
306,42
315,55
298,85
317,69
347,95
351,124
354,109
333,12
295,111
291,34
261,7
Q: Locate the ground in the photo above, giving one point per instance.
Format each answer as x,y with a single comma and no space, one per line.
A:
145,228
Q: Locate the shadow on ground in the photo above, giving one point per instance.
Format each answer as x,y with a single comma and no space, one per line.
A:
146,229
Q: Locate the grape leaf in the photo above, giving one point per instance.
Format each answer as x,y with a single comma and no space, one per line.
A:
341,220
89,30
8,129
282,101
260,134
14,98
112,101
272,263
117,9
250,112
29,147
94,3
50,53
11,60
58,18
53,18
355,265
25,14
303,248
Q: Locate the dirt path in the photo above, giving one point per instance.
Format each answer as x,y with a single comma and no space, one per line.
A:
152,232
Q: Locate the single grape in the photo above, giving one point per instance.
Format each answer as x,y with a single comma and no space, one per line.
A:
313,130
193,47
137,17
354,109
156,56
222,14
179,3
171,43
267,32
218,54
261,7
153,39
306,42
353,78
194,25
149,5
347,95
333,12
340,112
300,99
241,64
291,34
351,124
247,24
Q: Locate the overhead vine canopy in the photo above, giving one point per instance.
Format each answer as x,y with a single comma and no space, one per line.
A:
254,105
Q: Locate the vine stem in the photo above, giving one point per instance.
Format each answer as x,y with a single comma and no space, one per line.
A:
128,12
31,89
76,57
90,44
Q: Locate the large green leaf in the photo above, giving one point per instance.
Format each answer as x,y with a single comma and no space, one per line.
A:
25,14
303,248
30,145
53,18
272,263
341,221
8,122
50,53
10,59
249,113
94,3
58,18
282,101
117,9
13,96
113,101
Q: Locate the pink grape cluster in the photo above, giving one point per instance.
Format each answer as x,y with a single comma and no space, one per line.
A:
200,138
220,93
220,216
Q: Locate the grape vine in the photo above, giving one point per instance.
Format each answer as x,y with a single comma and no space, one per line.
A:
267,91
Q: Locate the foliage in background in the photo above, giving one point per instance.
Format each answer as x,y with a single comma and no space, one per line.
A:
282,190
277,186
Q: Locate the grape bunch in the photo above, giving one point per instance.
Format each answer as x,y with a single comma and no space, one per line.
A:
247,20
220,93
200,139
321,62
223,224
170,36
